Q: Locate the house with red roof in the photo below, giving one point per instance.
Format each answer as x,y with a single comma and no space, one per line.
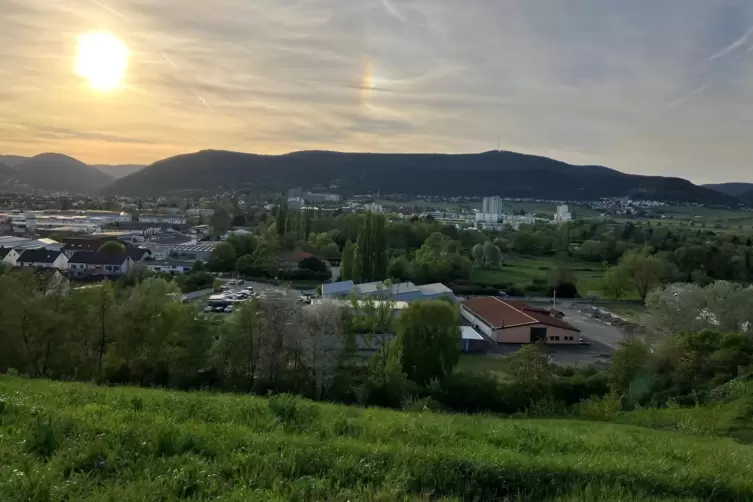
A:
509,321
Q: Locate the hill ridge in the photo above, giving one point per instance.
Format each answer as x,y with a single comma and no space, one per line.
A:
503,173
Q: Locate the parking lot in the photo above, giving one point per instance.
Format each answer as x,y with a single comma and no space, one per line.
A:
592,329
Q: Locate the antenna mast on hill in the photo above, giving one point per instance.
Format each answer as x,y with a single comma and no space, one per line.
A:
498,139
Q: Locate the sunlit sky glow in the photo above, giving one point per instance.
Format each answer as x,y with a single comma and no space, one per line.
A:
653,87
101,59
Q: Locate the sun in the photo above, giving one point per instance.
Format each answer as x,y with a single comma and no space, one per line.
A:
101,59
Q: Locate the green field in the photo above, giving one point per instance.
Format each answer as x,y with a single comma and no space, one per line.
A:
522,271
732,221
483,363
74,442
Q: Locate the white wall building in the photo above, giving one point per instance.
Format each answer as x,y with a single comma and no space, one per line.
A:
562,215
373,208
492,205
10,256
170,219
200,212
487,217
515,220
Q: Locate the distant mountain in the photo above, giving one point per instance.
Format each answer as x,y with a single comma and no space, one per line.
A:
746,198
11,160
57,172
735,189
492,173
117,172
12,180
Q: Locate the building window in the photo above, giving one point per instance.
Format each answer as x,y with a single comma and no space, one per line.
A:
556,338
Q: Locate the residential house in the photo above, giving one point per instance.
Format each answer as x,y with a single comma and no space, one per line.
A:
10,256
508,321
89,243
42,258
97,264
139,254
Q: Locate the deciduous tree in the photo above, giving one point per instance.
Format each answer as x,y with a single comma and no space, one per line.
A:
428,335
223,258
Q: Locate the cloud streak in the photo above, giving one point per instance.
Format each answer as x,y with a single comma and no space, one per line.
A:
630,85
733,46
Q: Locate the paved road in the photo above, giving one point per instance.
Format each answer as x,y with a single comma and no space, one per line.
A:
593,329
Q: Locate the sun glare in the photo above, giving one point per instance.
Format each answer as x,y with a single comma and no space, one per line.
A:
101,59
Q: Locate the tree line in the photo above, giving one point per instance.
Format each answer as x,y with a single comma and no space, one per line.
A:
373,247
357,352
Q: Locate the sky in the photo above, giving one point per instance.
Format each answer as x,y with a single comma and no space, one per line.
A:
659,87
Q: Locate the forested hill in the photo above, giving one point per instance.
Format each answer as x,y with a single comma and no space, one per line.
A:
736,189
492,173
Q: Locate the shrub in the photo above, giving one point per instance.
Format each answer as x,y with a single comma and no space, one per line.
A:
293,412
137,404
471,392
42,438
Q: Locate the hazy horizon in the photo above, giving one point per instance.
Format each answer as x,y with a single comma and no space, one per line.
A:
638,87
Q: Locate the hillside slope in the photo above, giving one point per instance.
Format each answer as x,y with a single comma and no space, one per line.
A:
57,172
492,173
81,442
734,189
118,171
12,180
12,160
746,198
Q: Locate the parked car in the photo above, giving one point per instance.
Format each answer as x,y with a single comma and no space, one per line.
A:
208,309
241,281
583,341
219,309
229,309
232,282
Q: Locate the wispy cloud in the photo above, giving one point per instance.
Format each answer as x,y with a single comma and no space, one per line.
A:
681,99
630,85
392,10
733,46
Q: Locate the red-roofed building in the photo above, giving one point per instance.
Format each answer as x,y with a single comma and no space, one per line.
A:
509,321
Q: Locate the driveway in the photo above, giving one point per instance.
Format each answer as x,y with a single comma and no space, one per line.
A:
594,330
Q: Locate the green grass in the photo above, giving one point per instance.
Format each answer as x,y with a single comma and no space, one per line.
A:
629,310
523,271
66,441
482,363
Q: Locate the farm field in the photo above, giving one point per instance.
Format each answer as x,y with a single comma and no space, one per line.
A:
525,271
69,441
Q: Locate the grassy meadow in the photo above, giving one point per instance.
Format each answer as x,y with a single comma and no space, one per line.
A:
69,441
523,271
